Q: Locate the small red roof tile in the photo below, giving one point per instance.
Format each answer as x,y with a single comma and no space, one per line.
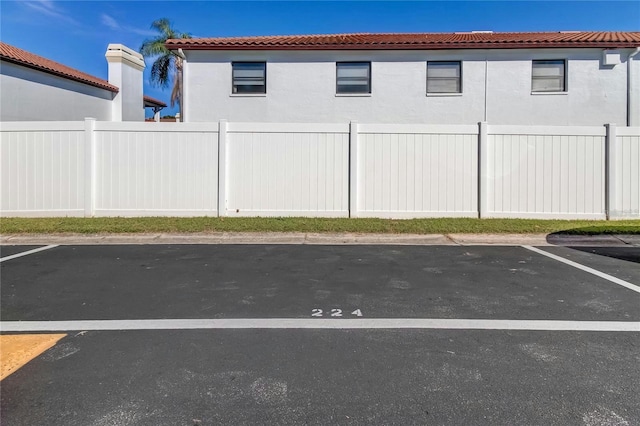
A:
22,57
151,102
415,41
162,120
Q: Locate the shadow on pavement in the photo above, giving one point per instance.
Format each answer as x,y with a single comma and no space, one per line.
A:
630,254
621,245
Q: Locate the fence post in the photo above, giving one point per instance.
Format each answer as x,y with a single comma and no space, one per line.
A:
89,166
222,168
483,176
353,169
610,170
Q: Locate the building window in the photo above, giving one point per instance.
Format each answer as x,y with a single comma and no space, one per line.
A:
444,77
249,77
548,76
353,77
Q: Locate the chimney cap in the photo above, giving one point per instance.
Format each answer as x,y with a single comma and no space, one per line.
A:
120,53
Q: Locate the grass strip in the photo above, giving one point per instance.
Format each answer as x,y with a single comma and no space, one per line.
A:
119,225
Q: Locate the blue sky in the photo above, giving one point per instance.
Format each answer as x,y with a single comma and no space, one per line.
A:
77,33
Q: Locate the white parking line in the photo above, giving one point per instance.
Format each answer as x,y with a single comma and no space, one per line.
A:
308,323
26,253
586,269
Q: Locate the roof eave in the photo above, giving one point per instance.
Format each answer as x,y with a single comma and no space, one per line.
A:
151,102
410,46
105,86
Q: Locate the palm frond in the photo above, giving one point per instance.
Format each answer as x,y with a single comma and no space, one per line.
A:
161,71
167,64
163,26
153,47
175,92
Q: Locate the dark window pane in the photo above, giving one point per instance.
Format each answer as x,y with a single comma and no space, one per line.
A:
353,77
548,76
249,77
353,88
444,77
443,85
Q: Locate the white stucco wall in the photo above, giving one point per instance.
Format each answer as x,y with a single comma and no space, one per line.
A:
633,71
595,94
301,88
125,72
132,110
31,95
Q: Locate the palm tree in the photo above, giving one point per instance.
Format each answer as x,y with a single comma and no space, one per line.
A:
167,64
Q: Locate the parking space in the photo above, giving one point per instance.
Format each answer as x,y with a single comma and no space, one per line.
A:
299,373
319,377
280,281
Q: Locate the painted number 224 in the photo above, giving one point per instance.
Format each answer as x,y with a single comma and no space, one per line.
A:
334,313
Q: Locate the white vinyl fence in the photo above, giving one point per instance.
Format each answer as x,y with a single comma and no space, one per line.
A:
144,169
42,169
540,172
624,193
325,170
287,170
417,171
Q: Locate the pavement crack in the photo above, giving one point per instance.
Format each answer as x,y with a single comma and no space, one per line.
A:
621,240
450,238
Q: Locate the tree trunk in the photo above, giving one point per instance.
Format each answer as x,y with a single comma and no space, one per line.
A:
180,94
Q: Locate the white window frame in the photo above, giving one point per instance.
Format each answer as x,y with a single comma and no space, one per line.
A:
234,91
459,78
565,79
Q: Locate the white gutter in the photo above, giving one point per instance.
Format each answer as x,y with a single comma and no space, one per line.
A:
633,107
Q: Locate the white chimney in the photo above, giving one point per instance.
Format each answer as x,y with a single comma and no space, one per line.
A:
125,72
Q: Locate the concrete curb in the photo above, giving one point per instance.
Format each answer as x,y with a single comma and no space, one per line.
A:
326,239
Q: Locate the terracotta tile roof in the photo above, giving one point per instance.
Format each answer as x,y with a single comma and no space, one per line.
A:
22,57
151,102
416,41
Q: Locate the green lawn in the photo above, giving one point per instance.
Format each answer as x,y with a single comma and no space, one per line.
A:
298,224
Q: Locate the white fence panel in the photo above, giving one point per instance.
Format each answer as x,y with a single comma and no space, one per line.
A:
297,169
626,176
156,169
417,171
287,170
42,169
546,172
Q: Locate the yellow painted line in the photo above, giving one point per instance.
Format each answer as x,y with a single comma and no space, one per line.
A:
18,349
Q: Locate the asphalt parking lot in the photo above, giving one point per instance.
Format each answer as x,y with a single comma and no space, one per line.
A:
320,334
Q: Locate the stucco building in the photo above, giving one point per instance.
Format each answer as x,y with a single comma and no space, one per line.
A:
552,78
34,88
